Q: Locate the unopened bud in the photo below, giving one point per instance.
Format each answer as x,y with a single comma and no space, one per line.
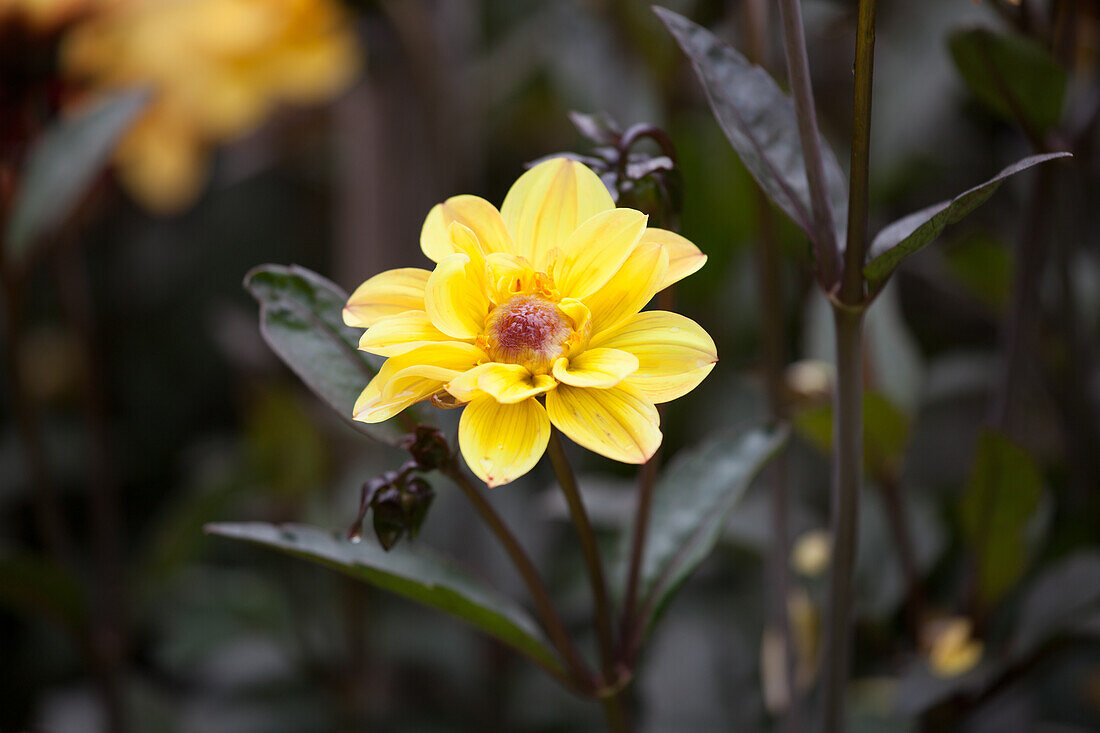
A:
428,447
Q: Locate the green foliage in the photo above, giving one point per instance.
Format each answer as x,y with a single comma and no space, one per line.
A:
760,122
286,450
912,233
984,266
301,320
1011,75
64,163
885,431
998,502
692,502
410,571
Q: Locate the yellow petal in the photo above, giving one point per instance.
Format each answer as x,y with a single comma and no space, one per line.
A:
684,258
674,353
480,216
507,275
502,442
549,202
415,376
386,294
506,383
399,334
599,368
630,288
596,250
455,297
619,422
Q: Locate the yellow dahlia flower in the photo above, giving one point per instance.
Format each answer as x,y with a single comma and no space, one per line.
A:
217,68
531,318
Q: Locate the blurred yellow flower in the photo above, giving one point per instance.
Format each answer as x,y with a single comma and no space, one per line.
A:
216,68
44,15
953,650
812,553
531,318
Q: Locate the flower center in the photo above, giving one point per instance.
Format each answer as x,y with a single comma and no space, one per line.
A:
527,330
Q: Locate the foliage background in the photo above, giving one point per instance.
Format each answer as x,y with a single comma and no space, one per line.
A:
204,424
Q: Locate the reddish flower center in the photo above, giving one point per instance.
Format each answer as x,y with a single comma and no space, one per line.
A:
528,330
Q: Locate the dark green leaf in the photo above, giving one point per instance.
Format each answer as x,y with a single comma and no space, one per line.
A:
36,588
885,434
1012,75
913,232
692,502
1063,595
983,265
64,163
301,320
998,502
760,122
410,571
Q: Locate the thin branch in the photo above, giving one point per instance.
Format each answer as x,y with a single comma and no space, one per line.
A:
591,551
581,674
770,293
851,288
798,69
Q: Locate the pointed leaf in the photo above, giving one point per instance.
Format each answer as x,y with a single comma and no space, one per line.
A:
913,232
64,163
410,571
301,320
759,121
1012,75
692,503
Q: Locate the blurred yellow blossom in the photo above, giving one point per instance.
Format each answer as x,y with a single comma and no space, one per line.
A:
953,650
216,68
44,15
812,552
531,319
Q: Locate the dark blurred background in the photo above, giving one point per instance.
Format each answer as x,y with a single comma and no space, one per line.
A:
189,418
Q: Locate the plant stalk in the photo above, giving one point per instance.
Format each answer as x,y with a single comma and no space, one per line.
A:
579,671
647,479
110,633
851,286
848,420
770,293
798,70
847,478
591,550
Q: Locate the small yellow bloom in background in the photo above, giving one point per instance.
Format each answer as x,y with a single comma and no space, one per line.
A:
531,318
812,552
216,68
953,651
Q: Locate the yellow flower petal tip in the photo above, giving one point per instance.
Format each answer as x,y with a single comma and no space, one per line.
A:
954,651
532,317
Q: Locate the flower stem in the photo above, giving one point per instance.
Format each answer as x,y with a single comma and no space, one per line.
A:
591,550
798,70
847,468
848,421
770,295
851,286
580,673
